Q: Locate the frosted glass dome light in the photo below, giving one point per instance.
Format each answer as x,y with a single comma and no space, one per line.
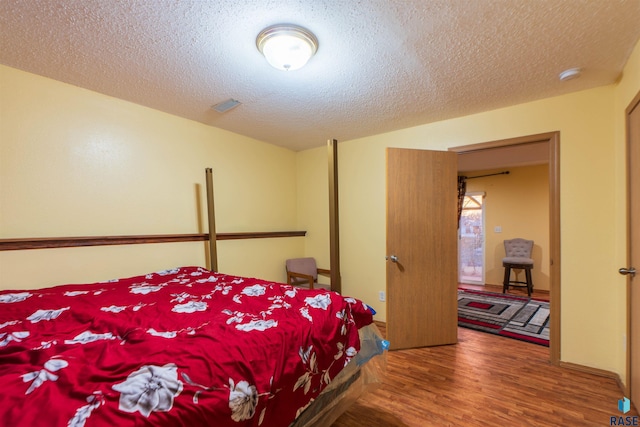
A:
287,47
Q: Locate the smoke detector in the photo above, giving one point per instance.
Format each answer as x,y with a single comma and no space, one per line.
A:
571,73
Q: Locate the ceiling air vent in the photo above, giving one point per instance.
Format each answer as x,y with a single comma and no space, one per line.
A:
227,105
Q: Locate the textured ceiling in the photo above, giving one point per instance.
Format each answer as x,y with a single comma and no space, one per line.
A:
382,65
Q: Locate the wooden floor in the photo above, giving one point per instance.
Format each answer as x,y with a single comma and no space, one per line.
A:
484,380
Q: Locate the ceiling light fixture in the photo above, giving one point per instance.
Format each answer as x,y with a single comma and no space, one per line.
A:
287,47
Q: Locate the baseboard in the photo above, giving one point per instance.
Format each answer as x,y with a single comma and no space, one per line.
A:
490,287
598,372
380,324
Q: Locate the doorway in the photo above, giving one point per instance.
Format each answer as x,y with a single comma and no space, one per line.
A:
530,147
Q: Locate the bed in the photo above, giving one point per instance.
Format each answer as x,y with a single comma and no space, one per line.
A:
185,346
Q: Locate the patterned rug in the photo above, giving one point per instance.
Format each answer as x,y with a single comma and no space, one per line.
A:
511,316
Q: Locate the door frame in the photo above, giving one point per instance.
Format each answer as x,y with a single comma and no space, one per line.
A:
635,103
553,139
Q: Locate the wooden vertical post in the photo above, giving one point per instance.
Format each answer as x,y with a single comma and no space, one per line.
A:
213,251
334,217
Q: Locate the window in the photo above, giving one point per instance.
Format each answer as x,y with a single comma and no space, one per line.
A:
471,240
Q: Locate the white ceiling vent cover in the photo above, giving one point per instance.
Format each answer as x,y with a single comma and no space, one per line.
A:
227,105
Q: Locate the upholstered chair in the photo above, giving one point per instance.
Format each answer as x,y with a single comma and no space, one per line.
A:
304,271
518,257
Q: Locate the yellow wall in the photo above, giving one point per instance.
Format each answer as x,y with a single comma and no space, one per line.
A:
313,201
519,204
593,206
77,163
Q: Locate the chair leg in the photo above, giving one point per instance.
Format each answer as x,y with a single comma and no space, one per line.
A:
505,281
529,281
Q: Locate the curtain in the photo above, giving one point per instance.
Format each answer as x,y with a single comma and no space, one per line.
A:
462,189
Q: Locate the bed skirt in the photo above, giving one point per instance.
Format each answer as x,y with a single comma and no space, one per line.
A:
362,375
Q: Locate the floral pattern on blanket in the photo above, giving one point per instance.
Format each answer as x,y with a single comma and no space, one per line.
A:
178,347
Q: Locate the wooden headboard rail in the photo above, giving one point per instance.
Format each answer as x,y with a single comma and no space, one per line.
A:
68,242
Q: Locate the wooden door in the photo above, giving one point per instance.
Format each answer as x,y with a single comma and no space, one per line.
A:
422,303
633,171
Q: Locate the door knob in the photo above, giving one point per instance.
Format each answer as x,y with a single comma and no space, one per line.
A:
391,258
625,271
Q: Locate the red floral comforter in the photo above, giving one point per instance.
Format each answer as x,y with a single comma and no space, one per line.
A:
183,347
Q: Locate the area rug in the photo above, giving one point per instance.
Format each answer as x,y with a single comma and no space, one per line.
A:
511,316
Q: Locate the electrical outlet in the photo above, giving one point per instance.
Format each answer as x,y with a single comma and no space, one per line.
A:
382,296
